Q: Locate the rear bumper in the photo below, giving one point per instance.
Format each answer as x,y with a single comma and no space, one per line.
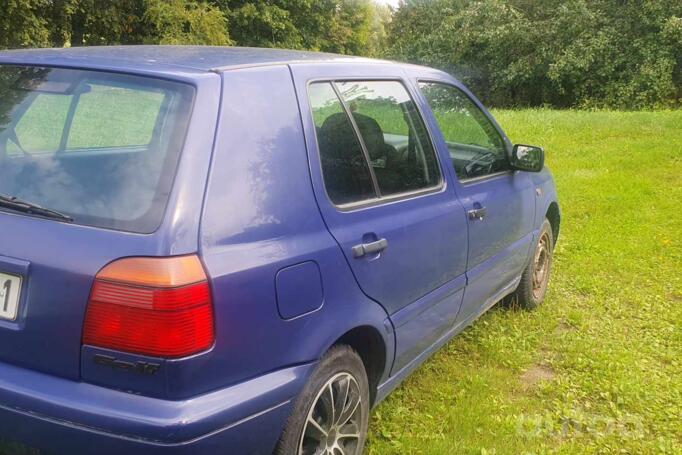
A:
63,416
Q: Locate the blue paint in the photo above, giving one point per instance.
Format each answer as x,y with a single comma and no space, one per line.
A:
249,199
299,290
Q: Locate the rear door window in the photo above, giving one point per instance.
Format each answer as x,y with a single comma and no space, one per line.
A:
372,141
101,148
344,168
399,149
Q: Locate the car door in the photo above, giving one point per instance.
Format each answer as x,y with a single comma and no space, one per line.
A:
499,201
381,189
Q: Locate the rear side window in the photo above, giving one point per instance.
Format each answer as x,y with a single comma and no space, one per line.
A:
400,153
101,148
370,136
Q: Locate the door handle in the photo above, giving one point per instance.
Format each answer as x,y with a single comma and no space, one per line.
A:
477,214
369,248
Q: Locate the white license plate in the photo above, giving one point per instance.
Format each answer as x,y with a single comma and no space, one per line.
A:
10,287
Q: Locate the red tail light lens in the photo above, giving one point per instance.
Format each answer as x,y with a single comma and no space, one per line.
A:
154,306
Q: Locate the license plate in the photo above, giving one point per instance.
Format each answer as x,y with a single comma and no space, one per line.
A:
10,287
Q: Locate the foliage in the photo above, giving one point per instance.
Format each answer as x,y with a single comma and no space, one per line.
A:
100,22
346,26
22,23
581,53
185,22
40,23
264,24
342,26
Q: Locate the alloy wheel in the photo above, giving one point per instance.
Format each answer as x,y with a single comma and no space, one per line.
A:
333,424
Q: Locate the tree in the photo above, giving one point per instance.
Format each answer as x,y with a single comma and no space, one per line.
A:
184,22
263,24
40,23
349,28
98,22
582,53
22,24
342,26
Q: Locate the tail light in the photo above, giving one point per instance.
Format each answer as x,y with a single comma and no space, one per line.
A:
154,306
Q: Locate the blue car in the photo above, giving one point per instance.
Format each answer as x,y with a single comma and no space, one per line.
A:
231,250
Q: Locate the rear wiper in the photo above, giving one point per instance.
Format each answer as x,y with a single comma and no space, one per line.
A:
14,203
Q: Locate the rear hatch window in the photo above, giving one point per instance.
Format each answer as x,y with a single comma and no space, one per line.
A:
99,148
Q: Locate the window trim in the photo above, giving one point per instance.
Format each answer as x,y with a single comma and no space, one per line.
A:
377,200
479,178
483,178
361,140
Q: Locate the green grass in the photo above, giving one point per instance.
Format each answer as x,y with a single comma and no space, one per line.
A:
597,368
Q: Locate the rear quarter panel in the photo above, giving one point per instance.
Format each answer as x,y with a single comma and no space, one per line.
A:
260,217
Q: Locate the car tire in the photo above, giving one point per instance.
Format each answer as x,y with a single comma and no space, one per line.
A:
533,285
336,392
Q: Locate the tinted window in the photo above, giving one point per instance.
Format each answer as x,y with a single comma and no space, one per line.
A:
101,148
476,148
344,167
399,149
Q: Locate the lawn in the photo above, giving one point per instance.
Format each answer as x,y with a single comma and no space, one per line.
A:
597,368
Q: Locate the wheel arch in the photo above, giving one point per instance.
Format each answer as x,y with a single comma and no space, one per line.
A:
370,345
554,216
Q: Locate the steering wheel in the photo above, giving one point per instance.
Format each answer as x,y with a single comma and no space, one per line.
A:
478,162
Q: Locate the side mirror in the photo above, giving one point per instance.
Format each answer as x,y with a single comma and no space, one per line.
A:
528,158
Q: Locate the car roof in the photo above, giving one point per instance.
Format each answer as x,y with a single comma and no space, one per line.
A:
170,58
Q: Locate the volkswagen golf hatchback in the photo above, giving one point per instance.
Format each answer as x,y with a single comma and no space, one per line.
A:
224,250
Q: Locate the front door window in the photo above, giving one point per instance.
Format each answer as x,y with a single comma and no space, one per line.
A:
476,148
